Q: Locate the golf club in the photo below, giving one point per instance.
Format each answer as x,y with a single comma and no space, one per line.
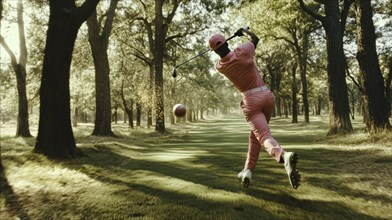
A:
174,74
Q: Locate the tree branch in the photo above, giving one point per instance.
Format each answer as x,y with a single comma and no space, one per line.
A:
344,13
150,32
14,63
93,26
351,77
109,19
144,5
139,54
310,12
281,38
172,12
85,10
22,38
180,35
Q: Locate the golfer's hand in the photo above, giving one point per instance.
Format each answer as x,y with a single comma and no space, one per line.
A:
239,32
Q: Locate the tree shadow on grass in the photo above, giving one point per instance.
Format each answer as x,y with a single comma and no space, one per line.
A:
119,165
314,209
334,176
11,200
337,169
220,176
222,151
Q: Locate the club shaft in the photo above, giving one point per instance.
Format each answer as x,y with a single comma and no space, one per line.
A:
201,53
174,74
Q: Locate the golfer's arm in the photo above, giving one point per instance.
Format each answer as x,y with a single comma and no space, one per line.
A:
251,36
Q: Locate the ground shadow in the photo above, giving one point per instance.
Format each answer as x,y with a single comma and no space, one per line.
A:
220,174
11,200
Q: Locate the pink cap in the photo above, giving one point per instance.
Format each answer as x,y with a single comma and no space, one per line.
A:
216,41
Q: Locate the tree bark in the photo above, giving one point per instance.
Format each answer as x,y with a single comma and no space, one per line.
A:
160,36
76,116
138,113
319,100
294,91
339,114
151,94
303,56
388,87
99,44
372,81
128,108
55,137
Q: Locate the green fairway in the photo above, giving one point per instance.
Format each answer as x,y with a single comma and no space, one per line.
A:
191,174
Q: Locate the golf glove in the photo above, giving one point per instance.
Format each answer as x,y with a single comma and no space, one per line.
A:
239,33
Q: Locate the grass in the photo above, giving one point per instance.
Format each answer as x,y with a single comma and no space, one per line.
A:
190,174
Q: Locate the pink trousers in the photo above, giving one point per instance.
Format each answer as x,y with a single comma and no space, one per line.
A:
258,108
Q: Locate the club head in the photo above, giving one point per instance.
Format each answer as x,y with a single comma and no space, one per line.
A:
174,74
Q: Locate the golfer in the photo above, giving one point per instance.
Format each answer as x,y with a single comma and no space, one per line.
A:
257,104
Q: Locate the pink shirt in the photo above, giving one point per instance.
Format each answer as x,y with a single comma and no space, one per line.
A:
238,66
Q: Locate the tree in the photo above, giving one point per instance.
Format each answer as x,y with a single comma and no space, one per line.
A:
372,82
19,68
161,28
334,22
294,93
99,44
301,41
274,61
55,137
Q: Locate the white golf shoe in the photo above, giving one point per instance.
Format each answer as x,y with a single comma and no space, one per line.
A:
290,162
245,176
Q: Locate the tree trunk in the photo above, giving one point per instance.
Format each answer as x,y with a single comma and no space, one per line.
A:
115,115
99,45
138,113
319,100
294,94
55,137
339,118
23,114
151,95
286,109
303,56
160,36
128,108
388,88
130,115
372,81
352,104
76,116
279,106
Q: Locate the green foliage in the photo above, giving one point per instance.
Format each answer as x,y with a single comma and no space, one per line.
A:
8,93
198,84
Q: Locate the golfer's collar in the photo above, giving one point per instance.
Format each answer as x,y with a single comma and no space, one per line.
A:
227,56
